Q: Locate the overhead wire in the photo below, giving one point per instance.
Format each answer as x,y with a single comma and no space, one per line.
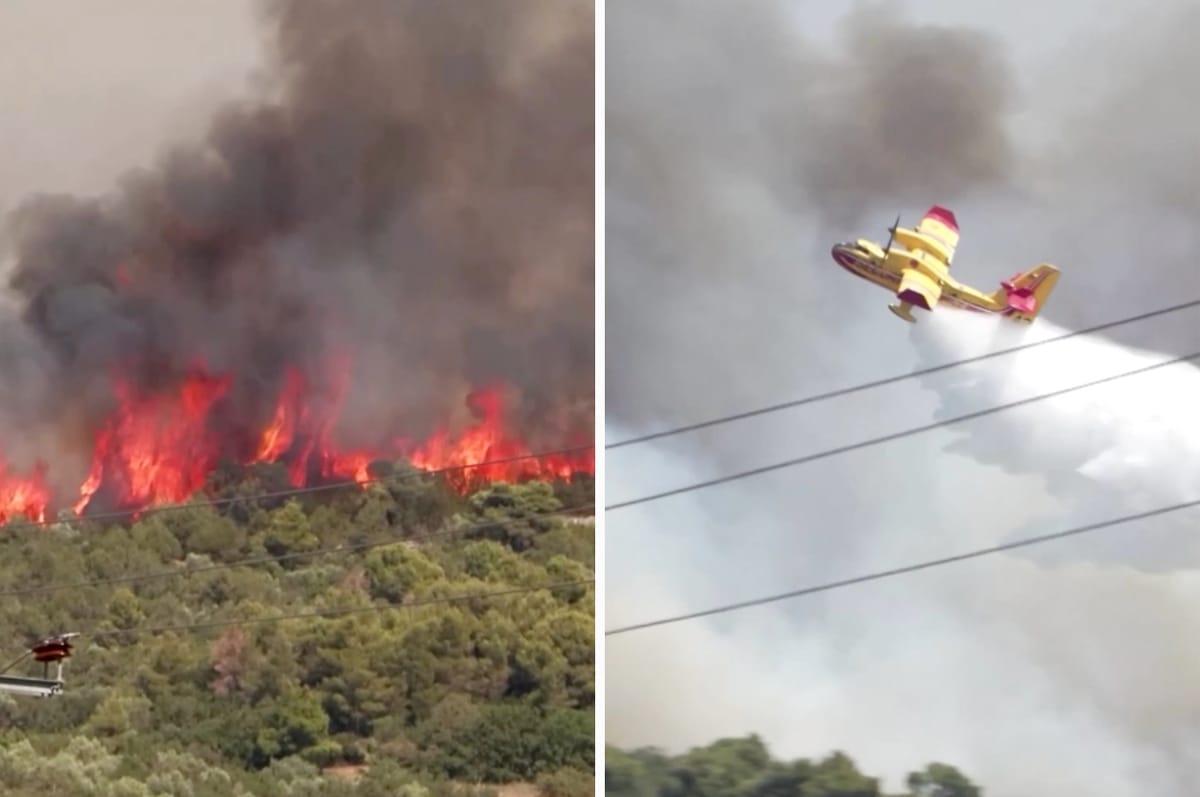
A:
874,441
846,391
134,578
905,569
16,661
294,491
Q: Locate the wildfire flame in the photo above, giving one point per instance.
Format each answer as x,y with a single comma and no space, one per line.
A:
158,449
486,441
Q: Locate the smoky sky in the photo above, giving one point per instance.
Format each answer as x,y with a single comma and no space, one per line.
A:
895,114
742,143
407,182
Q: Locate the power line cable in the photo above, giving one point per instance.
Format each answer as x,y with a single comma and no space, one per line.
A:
846,391
893,436
133,578
16,661
294,491
898,571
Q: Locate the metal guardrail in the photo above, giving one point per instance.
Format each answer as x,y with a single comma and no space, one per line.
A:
32,687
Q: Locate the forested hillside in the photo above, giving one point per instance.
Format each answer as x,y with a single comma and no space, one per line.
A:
174,689
745,768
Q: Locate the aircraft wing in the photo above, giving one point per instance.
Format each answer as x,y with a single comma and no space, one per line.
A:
939,228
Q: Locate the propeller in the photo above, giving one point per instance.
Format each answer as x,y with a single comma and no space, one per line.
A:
891,236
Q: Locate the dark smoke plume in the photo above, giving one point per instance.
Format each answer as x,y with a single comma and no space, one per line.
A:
415,186
906,112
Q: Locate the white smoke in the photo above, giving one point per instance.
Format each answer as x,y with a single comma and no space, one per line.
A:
1125,446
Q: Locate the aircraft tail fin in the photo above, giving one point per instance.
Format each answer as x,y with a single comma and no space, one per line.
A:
1027,292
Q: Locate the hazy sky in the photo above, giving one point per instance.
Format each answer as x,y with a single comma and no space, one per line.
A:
88,93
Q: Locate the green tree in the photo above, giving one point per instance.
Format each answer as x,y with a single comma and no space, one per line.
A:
642,773
517,742
941,780
288,531
294,722
743,767
397,570
725,768
124,609
837,776
420,502
513,514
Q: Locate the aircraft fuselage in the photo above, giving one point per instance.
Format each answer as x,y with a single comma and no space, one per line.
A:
866,259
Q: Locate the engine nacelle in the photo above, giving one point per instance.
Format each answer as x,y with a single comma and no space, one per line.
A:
919,289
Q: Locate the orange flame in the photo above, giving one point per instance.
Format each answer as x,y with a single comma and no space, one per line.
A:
156,449
160,448
508,458
23,496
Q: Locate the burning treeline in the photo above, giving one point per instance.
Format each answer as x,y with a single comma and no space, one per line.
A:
389,254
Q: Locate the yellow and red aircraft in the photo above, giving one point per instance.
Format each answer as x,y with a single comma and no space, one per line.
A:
915,265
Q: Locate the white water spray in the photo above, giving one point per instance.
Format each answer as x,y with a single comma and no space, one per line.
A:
1135,439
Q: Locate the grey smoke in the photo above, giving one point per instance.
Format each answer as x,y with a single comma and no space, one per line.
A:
1066,668
716,172
408,182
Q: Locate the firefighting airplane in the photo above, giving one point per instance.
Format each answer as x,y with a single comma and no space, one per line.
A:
915,265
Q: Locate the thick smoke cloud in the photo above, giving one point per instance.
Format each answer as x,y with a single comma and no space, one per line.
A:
412,184
1064,668
1120,448
806,141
